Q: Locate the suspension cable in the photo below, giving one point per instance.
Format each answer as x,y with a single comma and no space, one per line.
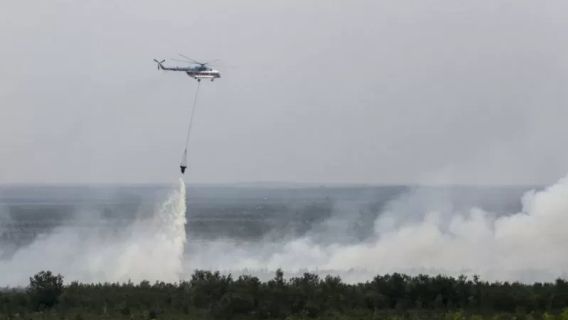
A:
192,115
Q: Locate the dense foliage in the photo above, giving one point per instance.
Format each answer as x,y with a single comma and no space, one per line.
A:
211,295
44,289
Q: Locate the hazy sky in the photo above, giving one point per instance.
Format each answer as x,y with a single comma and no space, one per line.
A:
417,91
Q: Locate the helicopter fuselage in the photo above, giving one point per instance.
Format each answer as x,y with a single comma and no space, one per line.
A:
208,74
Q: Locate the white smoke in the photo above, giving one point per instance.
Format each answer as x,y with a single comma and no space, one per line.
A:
149,249
421,234
418,232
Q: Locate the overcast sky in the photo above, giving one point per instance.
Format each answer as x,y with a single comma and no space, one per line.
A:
378,92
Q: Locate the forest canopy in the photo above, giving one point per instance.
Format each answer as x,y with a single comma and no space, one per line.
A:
212,295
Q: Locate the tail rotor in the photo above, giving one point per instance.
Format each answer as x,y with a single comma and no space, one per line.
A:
159,63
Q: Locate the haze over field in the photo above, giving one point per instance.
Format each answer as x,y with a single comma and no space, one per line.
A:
126,234
436,91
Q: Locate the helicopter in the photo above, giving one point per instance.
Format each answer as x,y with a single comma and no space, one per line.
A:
197,70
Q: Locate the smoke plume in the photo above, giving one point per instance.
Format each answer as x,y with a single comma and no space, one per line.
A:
418,233
148,249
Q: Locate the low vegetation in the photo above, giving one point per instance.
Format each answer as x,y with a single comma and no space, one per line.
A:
211,295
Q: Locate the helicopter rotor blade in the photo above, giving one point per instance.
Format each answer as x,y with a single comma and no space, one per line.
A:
190,59
181,60
212,61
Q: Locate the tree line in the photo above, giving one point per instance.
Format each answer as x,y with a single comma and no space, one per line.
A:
212,295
